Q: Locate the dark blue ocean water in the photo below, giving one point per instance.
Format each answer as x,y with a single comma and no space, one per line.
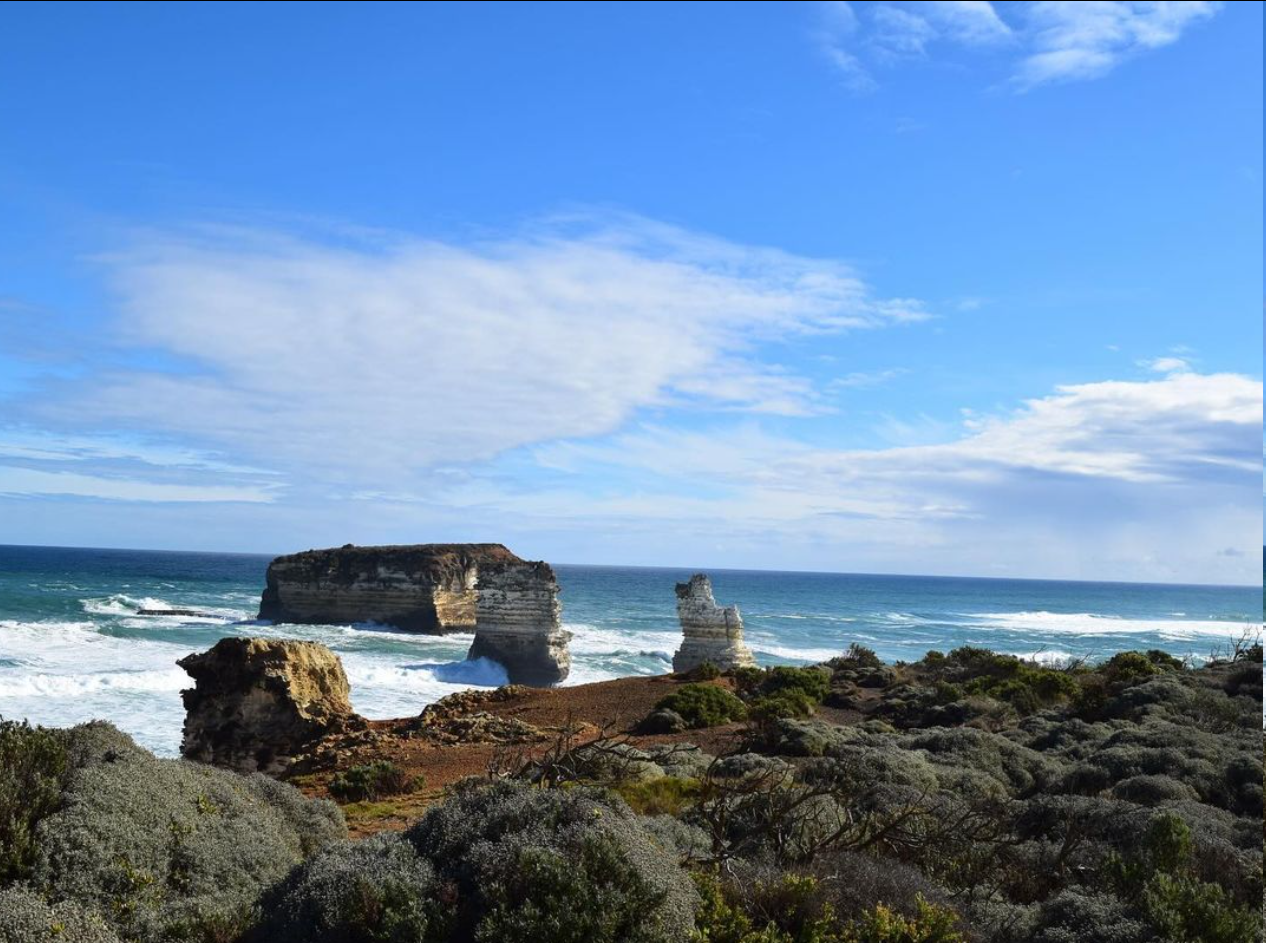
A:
73,646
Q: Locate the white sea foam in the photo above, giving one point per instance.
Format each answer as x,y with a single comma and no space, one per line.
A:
791,653
1090,624
130,608
103,682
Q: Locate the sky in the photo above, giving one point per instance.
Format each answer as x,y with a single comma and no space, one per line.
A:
945,287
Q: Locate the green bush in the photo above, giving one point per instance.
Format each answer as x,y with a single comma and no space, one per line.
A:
1125,668
33,770
703,705
1184,910
371,782
861,656
665,795
704,671
795,704
373,891
1164,660
518,863
931,924
814,684
747,679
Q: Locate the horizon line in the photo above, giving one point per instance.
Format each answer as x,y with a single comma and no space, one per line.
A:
693,567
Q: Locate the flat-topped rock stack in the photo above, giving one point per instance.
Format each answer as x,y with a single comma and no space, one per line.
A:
257,703
518,622
419,587
510,603
710,633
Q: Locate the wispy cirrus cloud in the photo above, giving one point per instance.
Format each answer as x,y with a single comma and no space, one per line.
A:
1037,43
366,363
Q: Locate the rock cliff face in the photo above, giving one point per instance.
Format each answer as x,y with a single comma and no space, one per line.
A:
422,587
518,622
709,632
257,703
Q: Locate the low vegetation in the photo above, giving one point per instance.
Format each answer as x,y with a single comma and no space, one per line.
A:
970,797
703,705
371,782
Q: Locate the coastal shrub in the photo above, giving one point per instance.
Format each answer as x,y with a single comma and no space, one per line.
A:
26,917
789,703
854,883
704,671
377,890
518,863
930,924
372,781
169,849
1153,790
683,760
747,679
1164,660
33,770
704,705
811,684
1128,668
1020,770
795,908
1079,916
1183,910
666,795
861,656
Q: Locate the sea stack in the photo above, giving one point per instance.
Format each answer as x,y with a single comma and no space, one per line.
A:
517,622
257,703
709,632
419,587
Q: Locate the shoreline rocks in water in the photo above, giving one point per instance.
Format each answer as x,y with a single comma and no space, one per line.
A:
258,703
418,587
710,633
518,623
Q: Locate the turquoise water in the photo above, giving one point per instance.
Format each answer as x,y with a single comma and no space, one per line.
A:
73,646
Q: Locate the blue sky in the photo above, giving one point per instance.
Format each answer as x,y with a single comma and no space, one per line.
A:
937,287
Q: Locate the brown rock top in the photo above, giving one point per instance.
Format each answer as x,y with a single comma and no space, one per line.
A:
256,702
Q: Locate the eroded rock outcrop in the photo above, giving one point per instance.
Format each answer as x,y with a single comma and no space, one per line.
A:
518,622
419,587
709,632
257,703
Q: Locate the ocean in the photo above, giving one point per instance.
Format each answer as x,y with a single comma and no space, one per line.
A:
73,645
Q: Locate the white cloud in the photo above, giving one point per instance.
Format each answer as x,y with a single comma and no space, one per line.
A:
355,364
865,380
29,482
1047,42
1166,365
1126,480
1082,40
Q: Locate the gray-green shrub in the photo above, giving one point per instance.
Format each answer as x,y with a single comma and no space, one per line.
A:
26,917
170,849
373,891
553,864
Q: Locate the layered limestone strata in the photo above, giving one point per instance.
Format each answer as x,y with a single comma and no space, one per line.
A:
709,632
420,587
257,703
518,622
